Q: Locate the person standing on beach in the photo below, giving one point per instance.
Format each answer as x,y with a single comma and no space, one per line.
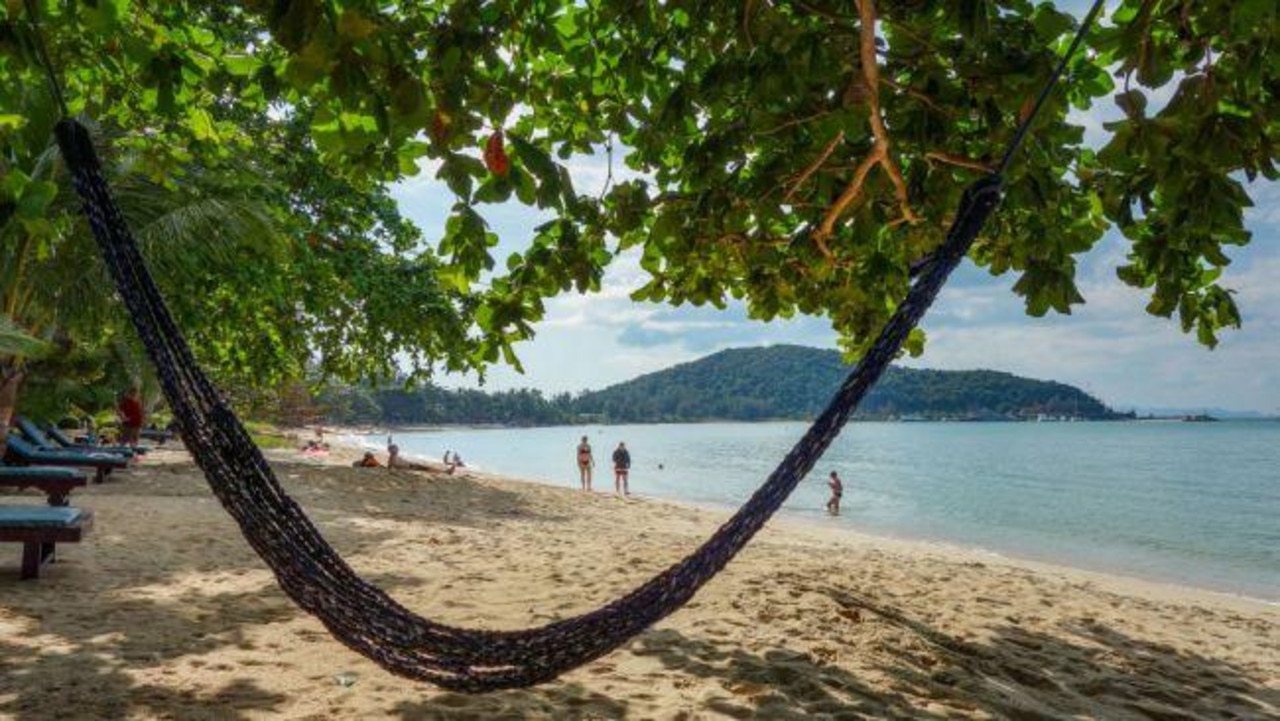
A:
837,490
585,462
131,416
621,467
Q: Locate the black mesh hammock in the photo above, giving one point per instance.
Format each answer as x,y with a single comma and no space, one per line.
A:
368,620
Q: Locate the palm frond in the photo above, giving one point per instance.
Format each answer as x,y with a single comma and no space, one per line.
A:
14,341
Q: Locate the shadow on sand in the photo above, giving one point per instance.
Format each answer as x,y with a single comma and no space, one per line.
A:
101,619
1087,670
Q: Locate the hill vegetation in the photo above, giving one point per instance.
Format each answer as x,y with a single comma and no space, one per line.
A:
796,382
743,384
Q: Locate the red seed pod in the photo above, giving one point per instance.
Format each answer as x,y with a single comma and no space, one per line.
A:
495,155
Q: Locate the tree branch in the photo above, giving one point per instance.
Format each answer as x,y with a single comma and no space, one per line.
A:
846,198
795,121
813,167
880,151
927,101
958,160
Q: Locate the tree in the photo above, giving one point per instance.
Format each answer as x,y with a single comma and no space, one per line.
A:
53,287
266,267
800,156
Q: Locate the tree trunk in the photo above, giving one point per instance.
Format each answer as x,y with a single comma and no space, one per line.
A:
10,381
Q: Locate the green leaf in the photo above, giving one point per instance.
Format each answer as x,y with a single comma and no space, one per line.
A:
201,124
35,199
14,341
241,65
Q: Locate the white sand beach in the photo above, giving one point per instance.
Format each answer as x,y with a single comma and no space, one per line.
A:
165,612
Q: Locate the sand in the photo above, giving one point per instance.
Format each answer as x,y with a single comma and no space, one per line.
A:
165,612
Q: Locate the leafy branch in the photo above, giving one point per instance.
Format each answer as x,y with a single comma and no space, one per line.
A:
879,154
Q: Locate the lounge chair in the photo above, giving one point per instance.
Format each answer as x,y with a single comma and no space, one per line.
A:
22,453
159,435
39,529
55,482
55,440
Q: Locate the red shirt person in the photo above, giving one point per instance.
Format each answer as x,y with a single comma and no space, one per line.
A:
131,416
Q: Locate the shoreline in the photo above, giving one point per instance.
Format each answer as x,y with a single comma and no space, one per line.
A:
802,522
821,530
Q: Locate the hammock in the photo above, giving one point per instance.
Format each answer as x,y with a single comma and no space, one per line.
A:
368,620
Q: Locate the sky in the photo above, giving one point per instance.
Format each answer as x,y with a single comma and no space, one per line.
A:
1109,346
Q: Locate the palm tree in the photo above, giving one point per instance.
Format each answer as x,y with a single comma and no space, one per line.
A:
52,281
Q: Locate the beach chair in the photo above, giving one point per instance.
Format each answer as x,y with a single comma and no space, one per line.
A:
60,441
21,452
39,529
159,435
55,482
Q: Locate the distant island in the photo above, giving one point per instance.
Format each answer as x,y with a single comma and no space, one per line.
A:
782,382
788,382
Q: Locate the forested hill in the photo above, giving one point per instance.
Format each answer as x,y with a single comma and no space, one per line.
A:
777,382
796,382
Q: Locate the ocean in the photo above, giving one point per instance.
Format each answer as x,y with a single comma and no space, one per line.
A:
1190,503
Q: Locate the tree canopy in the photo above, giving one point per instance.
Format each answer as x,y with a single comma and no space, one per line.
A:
800,156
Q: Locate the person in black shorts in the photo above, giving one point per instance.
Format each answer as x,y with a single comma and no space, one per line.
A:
621,467
837,490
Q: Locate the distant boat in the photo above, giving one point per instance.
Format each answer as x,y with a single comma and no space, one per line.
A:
1199,418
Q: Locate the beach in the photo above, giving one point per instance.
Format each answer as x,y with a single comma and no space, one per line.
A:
165,612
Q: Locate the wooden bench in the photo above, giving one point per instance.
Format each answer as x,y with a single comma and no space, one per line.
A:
55,482
39,529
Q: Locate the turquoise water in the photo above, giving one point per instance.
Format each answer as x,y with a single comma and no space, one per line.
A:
1193,503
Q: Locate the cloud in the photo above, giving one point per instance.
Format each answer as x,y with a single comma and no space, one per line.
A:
705,330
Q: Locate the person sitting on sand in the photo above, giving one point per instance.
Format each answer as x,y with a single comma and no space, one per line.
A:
585,462
369,461
837,490
315,449
621,467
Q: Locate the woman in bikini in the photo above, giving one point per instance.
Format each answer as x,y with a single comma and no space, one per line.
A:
585,462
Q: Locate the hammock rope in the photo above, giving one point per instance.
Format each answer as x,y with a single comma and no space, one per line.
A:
364,617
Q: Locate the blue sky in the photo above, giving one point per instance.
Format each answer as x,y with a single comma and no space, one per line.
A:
1109,346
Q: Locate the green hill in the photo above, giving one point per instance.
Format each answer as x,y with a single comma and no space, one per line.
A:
792,382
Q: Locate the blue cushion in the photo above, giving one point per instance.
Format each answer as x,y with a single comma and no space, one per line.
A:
38,516
39,472
33,432
27,451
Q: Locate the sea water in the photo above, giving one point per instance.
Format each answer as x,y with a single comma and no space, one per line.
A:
1191,503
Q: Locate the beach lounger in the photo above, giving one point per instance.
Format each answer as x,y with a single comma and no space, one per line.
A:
159,435
60,441
55,482
42,440
22,453
39,529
